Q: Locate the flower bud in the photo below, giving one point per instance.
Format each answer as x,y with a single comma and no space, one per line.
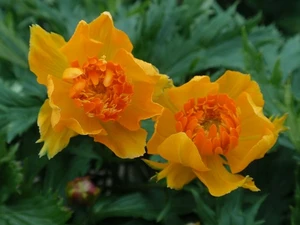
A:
81,190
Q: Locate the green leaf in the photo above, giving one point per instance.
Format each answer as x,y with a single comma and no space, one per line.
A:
290,56
274,182
134,205
17,112
34,210
12,48
11,173
75,161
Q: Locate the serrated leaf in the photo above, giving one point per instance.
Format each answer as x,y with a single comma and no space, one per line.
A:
133,205
34,210
290,55
17,112
12,48
11,172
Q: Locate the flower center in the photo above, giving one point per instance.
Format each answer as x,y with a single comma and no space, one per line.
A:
211,122
101,88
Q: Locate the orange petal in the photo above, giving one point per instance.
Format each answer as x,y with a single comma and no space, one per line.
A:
163,82
234,83
141,106
155,165
123,142
219,181
177,175
132,70
54,141
44,55
258,135
102,30
178,148
66,113
164,127
199,86
80,47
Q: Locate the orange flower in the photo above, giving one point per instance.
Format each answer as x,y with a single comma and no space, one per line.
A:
212,130
95,87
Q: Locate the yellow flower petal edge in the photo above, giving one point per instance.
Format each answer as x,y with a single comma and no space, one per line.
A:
95,87
212,131
54,141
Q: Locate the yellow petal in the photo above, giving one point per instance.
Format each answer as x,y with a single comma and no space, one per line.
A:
234,83
54,141
155,165
257,136
65,113
179,148
102,30
164,127
219,181
199,86
141,106
278,123
80,47
177,175
123,142
132,70
44,55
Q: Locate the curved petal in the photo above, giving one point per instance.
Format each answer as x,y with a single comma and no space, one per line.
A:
179,148
155,165
66,113
199,86
54,141
219,181
177,175
123,142
164,127
234,83
102,29
141,106
44,55
256,138
163,82
132,70
80,47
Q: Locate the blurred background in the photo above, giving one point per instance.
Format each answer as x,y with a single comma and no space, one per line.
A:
181,38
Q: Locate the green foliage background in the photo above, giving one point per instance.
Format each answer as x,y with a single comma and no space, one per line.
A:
181,38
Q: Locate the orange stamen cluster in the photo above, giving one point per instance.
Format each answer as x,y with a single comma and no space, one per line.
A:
102,89
211,122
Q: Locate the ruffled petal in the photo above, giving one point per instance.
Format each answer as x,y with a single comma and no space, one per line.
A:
141,106
54,141
132,70
66,113
258,135
234,83
177,175
80,47
123,142
220,182
179,148
44,55
164,127
102,29
199,86
163,82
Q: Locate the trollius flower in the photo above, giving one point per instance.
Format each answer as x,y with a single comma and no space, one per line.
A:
212,131
95,87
